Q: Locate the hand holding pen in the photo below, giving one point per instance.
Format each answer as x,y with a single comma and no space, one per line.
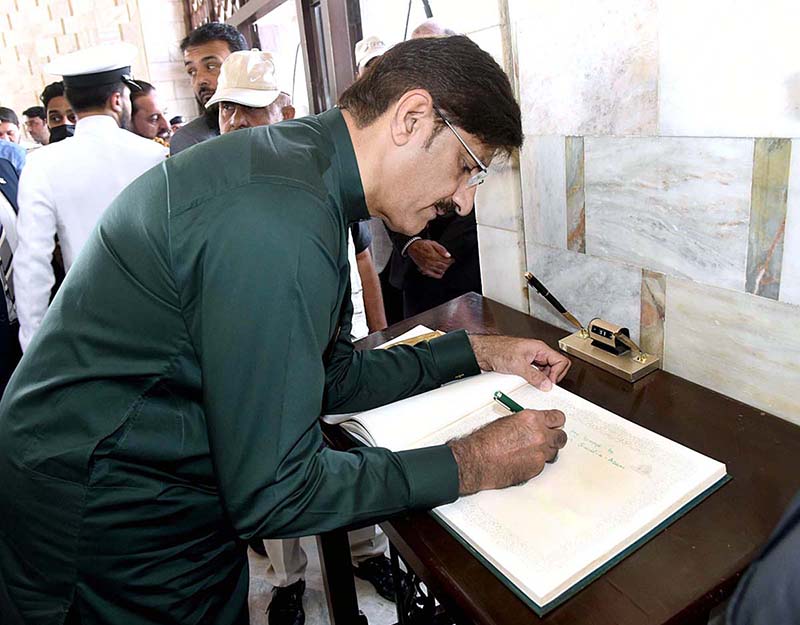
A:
556,418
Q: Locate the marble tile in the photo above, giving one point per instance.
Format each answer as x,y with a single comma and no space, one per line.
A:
498,202
387,18
491,40
376,608
768,216
576,195
737,78
588,287
502,265
544,190
654,295
790,272
738,344
678,206
587,67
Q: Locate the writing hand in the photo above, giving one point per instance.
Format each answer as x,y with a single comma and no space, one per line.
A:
508,451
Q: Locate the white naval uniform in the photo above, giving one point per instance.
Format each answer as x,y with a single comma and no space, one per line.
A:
64,189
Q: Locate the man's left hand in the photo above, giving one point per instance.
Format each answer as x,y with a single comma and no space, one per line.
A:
507,354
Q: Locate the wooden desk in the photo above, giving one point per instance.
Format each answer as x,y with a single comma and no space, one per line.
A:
679,575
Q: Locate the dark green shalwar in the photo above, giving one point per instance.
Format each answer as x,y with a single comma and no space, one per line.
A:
168,408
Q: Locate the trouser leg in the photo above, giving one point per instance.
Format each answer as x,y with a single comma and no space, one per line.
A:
287,561
366,543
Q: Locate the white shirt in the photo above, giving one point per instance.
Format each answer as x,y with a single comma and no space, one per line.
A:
359,328
8,219
64,189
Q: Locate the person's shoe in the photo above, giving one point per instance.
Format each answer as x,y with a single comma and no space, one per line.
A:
378,572
286,607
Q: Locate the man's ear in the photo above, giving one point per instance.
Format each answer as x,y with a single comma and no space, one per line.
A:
411,115
114,101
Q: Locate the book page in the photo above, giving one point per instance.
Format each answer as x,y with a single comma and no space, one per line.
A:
402,424
611,484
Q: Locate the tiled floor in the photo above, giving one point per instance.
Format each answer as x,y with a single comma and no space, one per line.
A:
378,610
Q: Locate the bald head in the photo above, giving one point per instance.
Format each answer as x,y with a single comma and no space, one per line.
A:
431,28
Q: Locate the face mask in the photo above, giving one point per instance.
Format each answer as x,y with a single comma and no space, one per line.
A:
61,132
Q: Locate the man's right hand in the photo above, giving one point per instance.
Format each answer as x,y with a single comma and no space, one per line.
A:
508,451
431,257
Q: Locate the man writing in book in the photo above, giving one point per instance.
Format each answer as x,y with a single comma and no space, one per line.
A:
167,410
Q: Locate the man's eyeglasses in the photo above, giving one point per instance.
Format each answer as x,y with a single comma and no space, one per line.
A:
475,179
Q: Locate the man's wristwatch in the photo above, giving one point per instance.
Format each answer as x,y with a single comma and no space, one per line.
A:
404,251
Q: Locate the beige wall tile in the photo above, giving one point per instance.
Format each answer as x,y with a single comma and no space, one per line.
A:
544,190
588,287
654,295
502,265
680,206
768,216
497,201
741,345
729,69
587,66
790,271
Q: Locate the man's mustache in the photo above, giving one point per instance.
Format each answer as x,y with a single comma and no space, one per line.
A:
445,207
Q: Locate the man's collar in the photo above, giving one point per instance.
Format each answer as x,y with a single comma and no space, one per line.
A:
352,192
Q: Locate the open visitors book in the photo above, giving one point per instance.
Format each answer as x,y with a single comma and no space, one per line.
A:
614,485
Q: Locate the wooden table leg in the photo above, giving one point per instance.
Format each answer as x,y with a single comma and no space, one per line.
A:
337,574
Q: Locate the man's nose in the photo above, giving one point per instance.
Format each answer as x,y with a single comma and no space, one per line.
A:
464,199
239,120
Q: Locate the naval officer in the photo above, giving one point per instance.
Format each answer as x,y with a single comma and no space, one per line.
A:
65,188
168,410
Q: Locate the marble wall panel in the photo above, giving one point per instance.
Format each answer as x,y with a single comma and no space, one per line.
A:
790,272
738,344
387,18
491,40
587,67
729,69
576,195
544,190
502,256
498,202
588,287
677,206
768,216
654,295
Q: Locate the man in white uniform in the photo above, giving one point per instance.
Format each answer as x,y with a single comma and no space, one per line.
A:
65,188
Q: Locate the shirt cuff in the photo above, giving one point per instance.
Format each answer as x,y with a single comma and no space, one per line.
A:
453,356
433,475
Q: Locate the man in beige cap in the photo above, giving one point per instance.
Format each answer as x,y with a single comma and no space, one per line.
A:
367,50
248,96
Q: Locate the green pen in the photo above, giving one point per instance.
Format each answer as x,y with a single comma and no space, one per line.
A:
507,402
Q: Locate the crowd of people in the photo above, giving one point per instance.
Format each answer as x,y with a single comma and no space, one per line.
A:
165,411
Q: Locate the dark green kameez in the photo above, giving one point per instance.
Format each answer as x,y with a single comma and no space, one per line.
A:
168,408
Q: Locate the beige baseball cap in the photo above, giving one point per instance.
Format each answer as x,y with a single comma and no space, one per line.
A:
247,77
367,49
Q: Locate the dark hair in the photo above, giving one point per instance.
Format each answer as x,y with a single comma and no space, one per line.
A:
53,90
146,88
465,82
214,31
88,98
7,115
178,119
35,111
